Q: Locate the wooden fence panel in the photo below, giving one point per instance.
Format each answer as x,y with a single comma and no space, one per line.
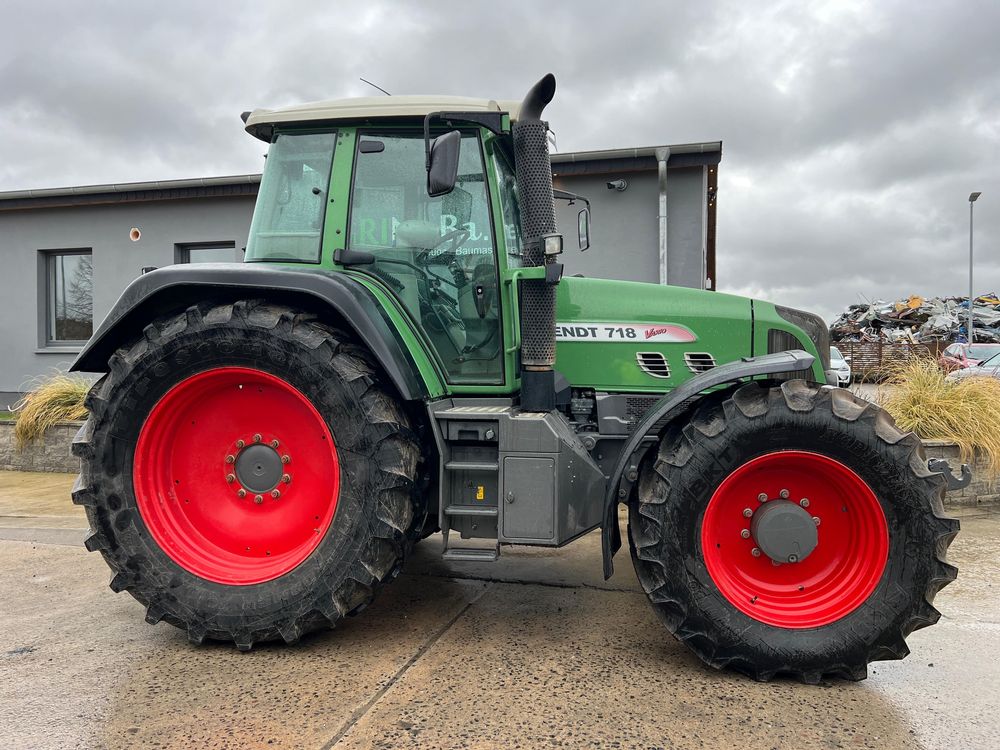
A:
869,359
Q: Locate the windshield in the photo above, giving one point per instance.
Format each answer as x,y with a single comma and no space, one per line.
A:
983,352
288,218
993,361
835,355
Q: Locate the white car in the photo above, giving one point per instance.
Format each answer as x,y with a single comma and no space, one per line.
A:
842,365
989,368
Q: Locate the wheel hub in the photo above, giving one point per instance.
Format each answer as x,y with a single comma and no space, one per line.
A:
784,531
259,468
760,540
260,513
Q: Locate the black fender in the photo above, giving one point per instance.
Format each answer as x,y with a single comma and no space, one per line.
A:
174,288
626,469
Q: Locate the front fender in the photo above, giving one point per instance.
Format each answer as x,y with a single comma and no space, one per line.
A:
175,287
625,473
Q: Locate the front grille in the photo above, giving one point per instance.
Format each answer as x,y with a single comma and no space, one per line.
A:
653,363
699,361
783,341
636,408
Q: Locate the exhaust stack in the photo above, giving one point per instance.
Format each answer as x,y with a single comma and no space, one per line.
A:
538,219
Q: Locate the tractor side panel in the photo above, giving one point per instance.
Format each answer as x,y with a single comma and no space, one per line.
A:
637,337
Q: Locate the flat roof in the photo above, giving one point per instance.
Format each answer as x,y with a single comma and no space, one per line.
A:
373,107
564,164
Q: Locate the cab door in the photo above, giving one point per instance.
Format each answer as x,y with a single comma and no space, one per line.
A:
436,255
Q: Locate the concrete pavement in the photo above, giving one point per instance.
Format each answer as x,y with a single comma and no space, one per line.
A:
533,651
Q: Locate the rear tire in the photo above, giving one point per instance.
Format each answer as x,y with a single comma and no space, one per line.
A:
872,577
342,520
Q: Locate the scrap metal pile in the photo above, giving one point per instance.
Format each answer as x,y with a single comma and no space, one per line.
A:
920,320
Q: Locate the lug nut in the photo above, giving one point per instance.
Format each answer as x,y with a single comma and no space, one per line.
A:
240,443
241,493
762,497
256,437
275,494
258,499
755,552
784,494
816,520
747,513
274,443
286,459
745,533
230,478
286,478
793,558
804,502
230,459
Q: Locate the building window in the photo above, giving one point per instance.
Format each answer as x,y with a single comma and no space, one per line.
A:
69,281
205,252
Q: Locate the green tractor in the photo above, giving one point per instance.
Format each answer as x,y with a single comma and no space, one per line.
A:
402,354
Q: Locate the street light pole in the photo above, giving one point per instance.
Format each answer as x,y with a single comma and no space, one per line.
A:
972,200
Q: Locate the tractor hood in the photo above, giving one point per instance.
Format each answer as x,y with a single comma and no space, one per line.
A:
648,338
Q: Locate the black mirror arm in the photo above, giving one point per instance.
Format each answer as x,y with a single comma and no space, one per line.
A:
427,139
565,195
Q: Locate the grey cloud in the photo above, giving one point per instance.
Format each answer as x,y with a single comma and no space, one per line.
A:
853,131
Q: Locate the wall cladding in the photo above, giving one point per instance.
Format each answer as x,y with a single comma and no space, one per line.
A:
51,453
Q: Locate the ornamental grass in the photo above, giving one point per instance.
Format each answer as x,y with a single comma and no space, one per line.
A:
966,412
57,398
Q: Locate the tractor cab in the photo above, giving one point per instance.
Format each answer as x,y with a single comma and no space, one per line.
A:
349,190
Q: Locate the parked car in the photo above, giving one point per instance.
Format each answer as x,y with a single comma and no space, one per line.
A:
957,356
988,369
842,365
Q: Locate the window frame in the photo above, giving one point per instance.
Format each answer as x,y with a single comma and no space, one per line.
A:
47,298
182,250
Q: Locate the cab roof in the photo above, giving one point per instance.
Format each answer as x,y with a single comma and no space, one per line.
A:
260,122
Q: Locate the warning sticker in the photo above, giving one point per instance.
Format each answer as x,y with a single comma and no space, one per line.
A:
627,332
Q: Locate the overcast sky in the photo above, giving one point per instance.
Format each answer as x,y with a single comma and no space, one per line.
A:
852,132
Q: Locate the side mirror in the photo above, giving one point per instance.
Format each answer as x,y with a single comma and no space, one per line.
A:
442,163
583,228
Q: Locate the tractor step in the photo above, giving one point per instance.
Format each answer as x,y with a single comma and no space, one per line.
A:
472,554
510,477
472,466
471,510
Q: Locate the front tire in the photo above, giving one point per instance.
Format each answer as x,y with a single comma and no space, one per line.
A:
731,586
246,474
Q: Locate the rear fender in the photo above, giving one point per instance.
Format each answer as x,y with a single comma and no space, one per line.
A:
672,405
174,288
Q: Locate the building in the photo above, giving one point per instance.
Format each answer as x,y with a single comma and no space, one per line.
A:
66,254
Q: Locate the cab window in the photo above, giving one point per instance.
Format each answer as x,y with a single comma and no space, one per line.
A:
288,218
437,255
507,188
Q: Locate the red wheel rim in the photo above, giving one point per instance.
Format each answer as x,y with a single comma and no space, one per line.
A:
832,581
200,436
